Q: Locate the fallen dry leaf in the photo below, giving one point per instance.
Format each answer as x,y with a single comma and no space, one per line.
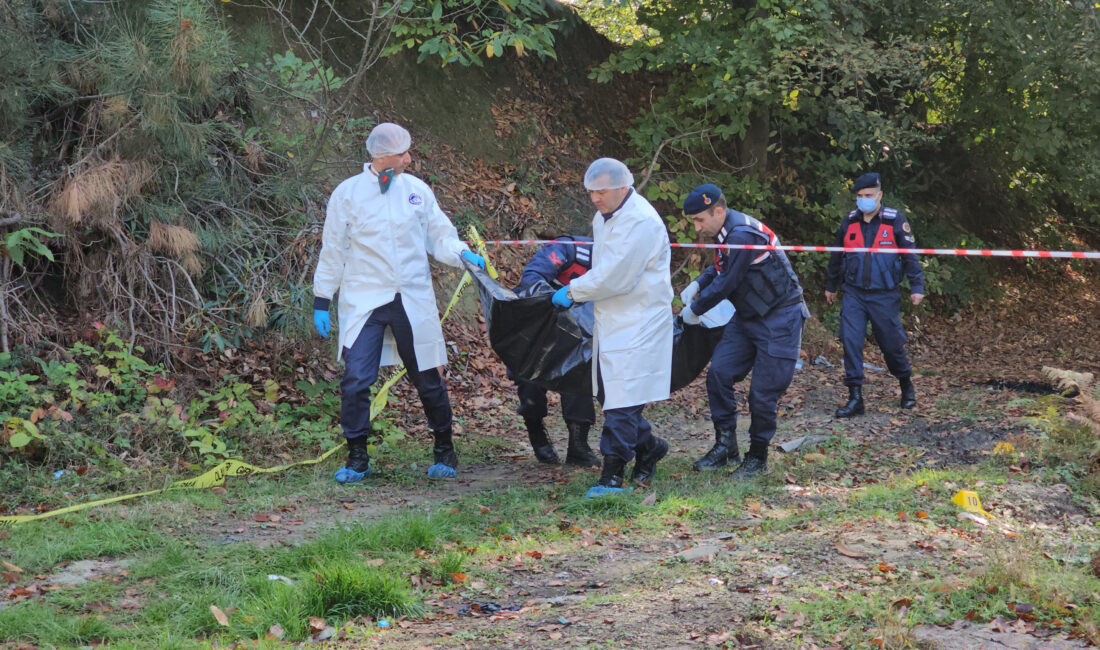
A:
650,499
317,624
219,615
11,567
458,577
849,552
275,633
9,576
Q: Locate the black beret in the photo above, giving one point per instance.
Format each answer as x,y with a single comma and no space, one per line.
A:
701,198
870,179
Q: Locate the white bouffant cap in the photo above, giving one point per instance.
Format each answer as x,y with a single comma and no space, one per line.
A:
607,174
388,139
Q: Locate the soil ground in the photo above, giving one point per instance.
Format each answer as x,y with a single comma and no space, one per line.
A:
849,541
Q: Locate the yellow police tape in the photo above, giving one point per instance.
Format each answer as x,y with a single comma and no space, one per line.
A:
237,468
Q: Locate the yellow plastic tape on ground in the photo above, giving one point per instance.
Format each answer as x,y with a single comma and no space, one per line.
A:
236,468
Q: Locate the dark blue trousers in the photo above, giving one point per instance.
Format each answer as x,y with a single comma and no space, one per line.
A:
768,347
574,407
883,309
625,430
361,370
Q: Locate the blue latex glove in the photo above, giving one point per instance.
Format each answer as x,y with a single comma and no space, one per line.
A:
689,316
322,322
561,299
473,258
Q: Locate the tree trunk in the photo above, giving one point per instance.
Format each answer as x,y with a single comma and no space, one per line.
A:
754,146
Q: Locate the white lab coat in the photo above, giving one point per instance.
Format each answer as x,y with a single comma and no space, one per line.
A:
375,246
631,291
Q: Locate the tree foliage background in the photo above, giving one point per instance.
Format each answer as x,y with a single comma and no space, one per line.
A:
181,165
980,115
181,162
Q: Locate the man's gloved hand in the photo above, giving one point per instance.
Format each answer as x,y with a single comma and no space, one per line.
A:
322,322
473,258
689,316
561,299
689,293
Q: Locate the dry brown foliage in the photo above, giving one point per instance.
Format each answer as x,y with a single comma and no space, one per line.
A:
1088,397
256,316
99,190
176,241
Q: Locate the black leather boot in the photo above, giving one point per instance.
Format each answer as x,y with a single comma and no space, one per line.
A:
854,406
540,443
443,453
723,452
908,393
358,465
579,453
645,460
611,480
756,462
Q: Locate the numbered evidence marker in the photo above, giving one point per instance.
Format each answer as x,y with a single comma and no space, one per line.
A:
968,500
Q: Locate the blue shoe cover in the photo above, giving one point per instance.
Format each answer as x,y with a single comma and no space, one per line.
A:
439,470
345,475
600,491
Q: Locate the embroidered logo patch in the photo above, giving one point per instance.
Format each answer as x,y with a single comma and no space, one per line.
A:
905,226
706,200
414,199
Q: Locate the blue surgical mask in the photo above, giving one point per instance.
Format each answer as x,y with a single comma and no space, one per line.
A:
866,204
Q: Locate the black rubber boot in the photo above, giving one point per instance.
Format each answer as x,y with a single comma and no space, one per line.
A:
357,467
443,453
756,462
612,475
540,443
358,459
611,480
854,406
908,393
722,453
645,460
579,453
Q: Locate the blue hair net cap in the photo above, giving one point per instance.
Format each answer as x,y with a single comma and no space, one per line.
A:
701,198
870,179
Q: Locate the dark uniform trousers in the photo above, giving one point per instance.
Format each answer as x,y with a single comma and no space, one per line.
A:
625,430
361,370
574,407
883,309
767,346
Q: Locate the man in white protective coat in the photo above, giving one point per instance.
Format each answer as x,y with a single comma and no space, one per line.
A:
631,291
380,227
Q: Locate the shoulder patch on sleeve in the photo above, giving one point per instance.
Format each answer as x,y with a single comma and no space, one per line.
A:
905,227
852,214
889,213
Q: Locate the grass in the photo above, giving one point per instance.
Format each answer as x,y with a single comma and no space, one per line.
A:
363,569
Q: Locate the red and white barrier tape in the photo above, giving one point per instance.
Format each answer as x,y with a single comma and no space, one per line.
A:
973,252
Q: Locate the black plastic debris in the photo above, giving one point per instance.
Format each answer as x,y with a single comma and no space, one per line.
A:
486,609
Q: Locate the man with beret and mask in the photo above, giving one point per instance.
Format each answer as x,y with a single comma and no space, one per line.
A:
764,335
870,281
380,227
